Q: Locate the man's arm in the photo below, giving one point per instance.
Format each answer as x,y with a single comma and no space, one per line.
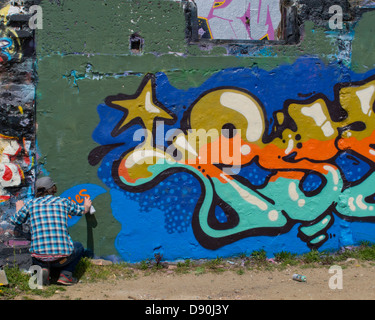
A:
76,209
21,213
19,205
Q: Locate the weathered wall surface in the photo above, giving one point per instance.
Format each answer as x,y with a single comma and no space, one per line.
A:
17,109
17,124
209,129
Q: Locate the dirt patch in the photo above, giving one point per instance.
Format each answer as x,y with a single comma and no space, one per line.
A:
357,284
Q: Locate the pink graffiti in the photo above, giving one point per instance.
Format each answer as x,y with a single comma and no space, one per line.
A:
240,19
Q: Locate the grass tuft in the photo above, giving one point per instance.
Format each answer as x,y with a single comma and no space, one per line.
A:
19,285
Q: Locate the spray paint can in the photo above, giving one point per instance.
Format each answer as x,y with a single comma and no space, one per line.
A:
299,277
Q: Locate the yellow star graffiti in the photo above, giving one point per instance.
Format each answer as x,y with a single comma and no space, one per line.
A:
141,108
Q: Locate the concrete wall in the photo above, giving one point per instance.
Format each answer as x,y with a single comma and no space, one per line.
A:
202,131
17,124
17,109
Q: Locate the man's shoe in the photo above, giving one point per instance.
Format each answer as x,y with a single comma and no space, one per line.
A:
66,278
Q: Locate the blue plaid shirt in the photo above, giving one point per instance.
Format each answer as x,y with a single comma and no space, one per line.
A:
48,217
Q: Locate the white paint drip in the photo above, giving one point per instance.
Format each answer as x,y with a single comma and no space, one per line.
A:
273,215
245,194
248,109
327,129
184,144
290,146
315,111
292,190
138,157
360,203
365,96
334,174
293,194
301,202
148,104
351,204
245,149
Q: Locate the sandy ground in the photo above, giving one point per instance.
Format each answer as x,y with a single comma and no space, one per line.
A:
358,283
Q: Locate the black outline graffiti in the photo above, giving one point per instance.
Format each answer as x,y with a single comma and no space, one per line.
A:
121,96
336,113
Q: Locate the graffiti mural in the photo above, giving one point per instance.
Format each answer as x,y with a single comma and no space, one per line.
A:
10,43
17,110
238,19
11,173
366,3
241,158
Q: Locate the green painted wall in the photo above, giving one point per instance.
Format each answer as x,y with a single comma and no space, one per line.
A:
83,56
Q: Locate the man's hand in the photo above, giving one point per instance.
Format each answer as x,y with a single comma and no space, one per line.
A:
19,205
87,204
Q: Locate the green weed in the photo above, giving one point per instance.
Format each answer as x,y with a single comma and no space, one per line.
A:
200,270
19,285
184,267
214,264
286,258
259,255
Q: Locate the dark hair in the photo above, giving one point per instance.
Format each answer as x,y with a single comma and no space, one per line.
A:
41,192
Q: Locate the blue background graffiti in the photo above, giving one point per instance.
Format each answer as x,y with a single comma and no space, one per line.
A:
159,220
77,193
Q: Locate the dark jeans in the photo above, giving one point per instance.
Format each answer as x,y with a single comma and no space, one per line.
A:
65,264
